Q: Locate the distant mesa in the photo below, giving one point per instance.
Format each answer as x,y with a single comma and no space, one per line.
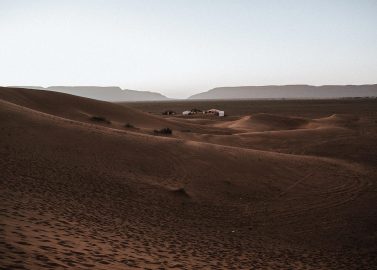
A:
112,93
289,92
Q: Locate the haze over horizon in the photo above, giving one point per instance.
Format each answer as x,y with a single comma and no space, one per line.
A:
180,48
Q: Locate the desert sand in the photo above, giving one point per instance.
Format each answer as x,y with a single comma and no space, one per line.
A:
273,185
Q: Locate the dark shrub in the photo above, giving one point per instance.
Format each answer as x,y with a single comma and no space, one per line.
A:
195,110
100,119
128,125
180,192
169,112
163,131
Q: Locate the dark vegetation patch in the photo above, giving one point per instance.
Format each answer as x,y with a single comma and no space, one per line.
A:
169,112
128,125
180,192
100,119
163,131
195,110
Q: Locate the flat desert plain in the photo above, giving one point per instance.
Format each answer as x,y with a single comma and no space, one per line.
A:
87,184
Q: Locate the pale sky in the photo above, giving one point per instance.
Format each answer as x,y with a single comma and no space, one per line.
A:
179,48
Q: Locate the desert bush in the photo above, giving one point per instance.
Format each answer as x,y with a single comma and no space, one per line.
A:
100,119
128,125
195,110
169,112
180,192
163,131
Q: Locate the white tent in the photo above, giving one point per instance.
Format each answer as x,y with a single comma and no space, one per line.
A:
216,112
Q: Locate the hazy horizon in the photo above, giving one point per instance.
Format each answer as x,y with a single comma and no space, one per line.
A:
180,48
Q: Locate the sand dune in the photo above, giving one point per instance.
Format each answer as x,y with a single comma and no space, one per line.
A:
272,122
266,122
84,109
78,194
78,108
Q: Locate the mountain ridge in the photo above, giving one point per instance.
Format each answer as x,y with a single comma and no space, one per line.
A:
104,93
288,91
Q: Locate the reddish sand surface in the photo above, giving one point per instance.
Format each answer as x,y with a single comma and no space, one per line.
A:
273,185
